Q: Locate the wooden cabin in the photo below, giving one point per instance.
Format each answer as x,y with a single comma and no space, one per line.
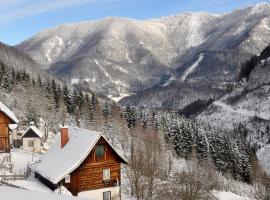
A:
32,139
84,162
7,118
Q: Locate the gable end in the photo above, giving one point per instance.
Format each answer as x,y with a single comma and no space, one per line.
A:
30,134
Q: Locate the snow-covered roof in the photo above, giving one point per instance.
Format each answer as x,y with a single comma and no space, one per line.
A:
35,130
9,113
58,162
9,193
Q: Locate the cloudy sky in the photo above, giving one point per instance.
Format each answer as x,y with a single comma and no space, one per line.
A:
20,19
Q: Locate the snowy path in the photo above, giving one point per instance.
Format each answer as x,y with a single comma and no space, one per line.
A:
248,113
192,67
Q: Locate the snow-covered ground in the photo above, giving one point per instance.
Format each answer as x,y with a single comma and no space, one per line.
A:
21,158
31,183
222,195
19,161
7,193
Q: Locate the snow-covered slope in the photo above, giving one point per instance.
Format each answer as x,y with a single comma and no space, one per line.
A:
246,109
119,56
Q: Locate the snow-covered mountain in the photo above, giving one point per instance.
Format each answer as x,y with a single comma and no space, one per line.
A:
121,56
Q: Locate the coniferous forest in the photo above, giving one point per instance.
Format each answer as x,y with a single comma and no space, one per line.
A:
138,131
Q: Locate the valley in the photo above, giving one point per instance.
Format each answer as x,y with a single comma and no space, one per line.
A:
173,107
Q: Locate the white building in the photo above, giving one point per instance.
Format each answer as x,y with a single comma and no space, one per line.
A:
32,139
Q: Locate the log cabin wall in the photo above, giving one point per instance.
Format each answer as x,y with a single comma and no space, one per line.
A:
4,132
89,175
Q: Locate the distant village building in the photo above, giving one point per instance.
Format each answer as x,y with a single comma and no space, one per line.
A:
84,162
7,119
32,139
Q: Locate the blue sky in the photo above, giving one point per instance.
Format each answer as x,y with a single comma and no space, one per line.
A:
20,19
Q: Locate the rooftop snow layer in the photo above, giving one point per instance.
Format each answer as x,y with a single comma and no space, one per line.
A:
9,113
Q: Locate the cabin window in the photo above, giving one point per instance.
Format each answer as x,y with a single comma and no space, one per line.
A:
100,151
106,174
67,179
107,195
31,143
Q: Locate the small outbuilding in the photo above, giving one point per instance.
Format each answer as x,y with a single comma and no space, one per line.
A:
32,139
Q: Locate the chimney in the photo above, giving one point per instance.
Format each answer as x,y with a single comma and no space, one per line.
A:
64,136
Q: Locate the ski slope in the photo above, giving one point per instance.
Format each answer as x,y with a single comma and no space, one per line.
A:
192,67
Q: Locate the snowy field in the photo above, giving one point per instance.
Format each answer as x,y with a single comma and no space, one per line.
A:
20,159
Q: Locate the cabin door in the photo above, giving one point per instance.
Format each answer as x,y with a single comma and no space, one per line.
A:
4,138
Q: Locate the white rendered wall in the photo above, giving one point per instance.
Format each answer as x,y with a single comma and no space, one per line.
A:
98,194
37,145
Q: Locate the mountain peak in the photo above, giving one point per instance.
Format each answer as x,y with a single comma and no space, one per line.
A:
261,4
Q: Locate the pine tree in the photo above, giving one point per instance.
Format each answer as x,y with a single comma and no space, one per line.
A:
106,111
184,141
130,116
200,144
67,99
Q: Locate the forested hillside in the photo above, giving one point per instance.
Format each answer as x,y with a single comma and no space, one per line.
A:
140,133
245,108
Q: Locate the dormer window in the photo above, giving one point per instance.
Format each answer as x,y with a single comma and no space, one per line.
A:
100,150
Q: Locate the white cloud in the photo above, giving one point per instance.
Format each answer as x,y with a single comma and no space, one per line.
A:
12,10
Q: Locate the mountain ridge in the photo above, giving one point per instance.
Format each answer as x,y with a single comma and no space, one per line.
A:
121,56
